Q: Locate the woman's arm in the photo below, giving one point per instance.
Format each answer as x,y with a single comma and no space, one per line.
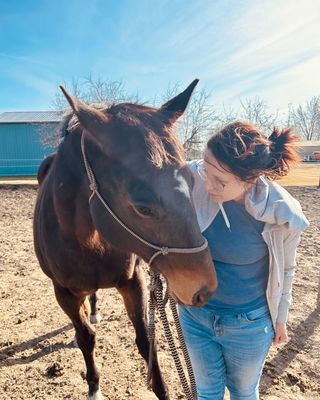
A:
290,245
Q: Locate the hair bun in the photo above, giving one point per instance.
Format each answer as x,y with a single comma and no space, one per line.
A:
283,150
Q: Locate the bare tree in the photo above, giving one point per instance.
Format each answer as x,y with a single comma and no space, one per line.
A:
75,87
306,119
198,121
48,135
193,128
89,90
227,114
92,89
257,112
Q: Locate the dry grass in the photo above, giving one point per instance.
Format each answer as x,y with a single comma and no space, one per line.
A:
18,180
304,174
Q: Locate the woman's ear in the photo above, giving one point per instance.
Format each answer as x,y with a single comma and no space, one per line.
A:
249,185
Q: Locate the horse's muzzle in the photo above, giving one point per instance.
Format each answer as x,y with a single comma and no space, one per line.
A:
202,296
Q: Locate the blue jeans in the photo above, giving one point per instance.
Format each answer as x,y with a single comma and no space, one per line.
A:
227,351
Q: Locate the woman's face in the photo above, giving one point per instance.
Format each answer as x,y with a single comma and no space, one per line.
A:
220,183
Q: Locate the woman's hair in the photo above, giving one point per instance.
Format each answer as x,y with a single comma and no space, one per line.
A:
248,152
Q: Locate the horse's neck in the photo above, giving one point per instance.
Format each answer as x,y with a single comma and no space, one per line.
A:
69,186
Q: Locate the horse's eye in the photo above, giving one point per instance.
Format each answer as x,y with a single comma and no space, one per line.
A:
145,210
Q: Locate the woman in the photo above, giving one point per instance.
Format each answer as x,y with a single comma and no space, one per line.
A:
253,227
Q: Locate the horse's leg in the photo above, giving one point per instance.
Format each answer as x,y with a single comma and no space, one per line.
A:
95,317
134,293
77,309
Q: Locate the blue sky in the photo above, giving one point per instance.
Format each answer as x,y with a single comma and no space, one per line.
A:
238,48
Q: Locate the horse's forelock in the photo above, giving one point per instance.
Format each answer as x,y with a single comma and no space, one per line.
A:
162,145
164,150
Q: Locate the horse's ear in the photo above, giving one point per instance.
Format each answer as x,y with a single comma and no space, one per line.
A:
90,119
174,108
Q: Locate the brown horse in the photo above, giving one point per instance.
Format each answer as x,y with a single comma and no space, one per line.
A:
116,191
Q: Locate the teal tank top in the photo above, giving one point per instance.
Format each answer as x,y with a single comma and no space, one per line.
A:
241,260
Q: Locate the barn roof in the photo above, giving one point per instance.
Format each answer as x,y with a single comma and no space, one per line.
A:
18,117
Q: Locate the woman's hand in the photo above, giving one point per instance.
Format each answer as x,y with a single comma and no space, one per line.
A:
281,335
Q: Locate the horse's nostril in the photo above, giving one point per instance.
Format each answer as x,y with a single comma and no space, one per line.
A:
201,297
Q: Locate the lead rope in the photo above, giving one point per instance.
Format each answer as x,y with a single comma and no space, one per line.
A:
157,300
185,352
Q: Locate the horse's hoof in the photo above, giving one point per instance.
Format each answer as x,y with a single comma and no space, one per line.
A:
96,396
95,318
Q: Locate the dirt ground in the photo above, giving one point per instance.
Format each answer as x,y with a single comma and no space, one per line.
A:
38,362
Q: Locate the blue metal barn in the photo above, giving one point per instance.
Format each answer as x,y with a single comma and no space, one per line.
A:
22,140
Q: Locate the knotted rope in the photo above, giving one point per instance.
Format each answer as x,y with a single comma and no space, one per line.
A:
157,300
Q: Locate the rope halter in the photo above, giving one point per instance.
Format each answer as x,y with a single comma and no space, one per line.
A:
161,250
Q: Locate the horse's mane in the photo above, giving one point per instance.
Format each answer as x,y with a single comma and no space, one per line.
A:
163,146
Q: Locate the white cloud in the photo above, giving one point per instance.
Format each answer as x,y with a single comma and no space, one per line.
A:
277,54
296,85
